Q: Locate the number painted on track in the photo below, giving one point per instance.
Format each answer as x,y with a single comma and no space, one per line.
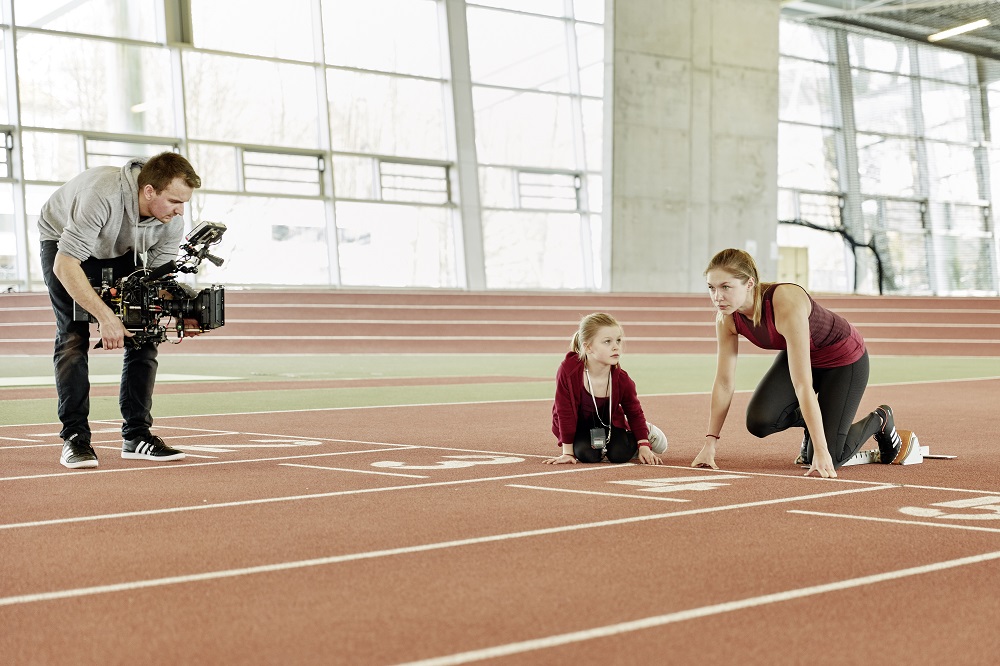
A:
990,504
454,462
674,484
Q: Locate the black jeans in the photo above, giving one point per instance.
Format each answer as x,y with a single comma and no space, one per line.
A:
620,449
774,407
70,357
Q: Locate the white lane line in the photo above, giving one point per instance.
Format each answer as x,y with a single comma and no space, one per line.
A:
186,453
527,338
293,498
50,381
839,479
594,492
898,521
96,442
622,302
356,471
406,550
465,403
661,323
695,613
957,490
398,447
82,474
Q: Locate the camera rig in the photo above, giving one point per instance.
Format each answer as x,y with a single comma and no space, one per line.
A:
147,297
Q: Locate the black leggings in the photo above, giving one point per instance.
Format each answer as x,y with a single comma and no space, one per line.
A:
621,448
774,407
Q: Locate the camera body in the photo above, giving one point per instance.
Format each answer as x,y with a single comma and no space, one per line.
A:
600,438
147,300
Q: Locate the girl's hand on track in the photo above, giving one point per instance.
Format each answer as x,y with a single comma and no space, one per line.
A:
706,458
647,457
563,459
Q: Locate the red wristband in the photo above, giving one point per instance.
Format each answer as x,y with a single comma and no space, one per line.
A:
713,436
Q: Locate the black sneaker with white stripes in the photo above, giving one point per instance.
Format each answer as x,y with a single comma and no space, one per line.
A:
77,453
149,447
889,443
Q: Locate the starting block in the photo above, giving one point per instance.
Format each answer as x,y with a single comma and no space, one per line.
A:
914,453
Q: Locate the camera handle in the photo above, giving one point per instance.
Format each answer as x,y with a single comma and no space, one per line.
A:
161,271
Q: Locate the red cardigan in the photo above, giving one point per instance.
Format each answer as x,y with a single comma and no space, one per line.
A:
570,391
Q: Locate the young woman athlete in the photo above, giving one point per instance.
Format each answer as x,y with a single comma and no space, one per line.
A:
816,381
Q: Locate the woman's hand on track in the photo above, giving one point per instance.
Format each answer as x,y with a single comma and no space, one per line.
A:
822,464
706,458
563,459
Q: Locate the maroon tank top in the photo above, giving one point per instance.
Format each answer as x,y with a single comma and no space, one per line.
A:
833,341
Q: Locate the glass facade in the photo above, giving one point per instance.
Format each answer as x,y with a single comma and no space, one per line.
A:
363,143
886,160
325,133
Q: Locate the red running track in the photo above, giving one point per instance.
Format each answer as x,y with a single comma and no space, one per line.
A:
379,536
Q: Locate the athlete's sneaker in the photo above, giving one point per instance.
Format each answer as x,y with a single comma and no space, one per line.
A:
657,440
77,453
889,443
805,458
149,447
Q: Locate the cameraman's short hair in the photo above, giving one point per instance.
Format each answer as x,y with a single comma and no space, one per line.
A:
160,170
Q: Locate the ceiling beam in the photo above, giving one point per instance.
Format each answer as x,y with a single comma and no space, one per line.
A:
851,8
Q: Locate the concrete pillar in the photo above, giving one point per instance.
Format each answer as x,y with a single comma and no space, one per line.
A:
692,108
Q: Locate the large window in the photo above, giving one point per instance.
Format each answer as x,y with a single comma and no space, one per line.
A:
537,74
9,249
378,114
810,150
89,84
250,101
400,36
127,19
395,245
416,143
268,241
256,27
909,118
397,223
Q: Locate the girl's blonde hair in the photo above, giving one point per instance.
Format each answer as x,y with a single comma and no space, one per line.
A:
589,326
742,266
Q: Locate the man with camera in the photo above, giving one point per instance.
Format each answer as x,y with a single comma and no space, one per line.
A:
106,217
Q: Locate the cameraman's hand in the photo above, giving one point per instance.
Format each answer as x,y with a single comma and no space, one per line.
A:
113,333
67,269
191,327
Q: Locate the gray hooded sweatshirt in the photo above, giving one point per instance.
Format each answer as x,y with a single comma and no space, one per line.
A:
96,214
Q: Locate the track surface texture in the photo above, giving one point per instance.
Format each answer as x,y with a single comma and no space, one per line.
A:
352,506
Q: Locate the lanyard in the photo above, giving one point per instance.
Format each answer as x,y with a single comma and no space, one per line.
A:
591,385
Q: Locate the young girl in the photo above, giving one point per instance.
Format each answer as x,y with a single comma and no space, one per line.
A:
596,411
817,378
